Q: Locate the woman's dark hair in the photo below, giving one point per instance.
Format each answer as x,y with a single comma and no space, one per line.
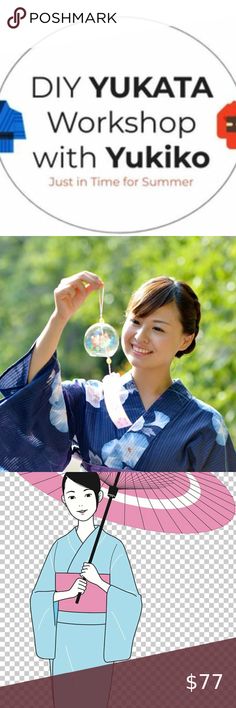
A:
162,290
90,480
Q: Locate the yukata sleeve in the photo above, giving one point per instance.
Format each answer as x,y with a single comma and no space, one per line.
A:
222,458
123,608
44,609
36,419
213,450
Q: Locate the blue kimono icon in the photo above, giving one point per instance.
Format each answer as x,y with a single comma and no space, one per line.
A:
11,127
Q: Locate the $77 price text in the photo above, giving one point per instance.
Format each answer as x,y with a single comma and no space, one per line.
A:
206,681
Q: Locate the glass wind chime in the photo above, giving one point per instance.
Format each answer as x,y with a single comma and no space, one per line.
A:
101,339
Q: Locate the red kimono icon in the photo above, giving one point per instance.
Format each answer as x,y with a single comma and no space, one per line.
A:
226,124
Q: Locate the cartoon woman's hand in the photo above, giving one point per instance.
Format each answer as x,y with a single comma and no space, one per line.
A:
90,573
79,586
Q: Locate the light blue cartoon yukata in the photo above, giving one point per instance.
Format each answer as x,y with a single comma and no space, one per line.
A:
69,637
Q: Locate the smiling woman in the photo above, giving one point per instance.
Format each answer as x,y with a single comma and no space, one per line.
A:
162,322
142,420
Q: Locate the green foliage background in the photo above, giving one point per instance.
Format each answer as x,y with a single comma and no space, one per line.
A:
30,269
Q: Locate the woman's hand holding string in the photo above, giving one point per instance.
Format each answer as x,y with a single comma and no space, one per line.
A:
69,296
72,292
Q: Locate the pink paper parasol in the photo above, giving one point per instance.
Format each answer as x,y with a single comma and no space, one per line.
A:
169,502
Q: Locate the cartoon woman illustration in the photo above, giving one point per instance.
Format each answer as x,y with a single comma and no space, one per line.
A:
142,420
99,629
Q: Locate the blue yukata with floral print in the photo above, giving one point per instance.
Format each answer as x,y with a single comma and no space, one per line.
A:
41,423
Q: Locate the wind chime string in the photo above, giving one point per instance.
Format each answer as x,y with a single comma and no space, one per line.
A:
101,320
101,303
101,339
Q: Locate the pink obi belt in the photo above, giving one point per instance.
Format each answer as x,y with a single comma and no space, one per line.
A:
94,599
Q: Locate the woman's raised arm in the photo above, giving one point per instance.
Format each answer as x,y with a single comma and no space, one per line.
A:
69,296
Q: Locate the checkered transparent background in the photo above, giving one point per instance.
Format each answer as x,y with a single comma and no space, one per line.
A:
186,582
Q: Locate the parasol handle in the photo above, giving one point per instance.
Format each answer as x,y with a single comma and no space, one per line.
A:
78,598
112,492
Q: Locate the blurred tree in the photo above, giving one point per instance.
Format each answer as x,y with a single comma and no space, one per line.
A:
30,268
